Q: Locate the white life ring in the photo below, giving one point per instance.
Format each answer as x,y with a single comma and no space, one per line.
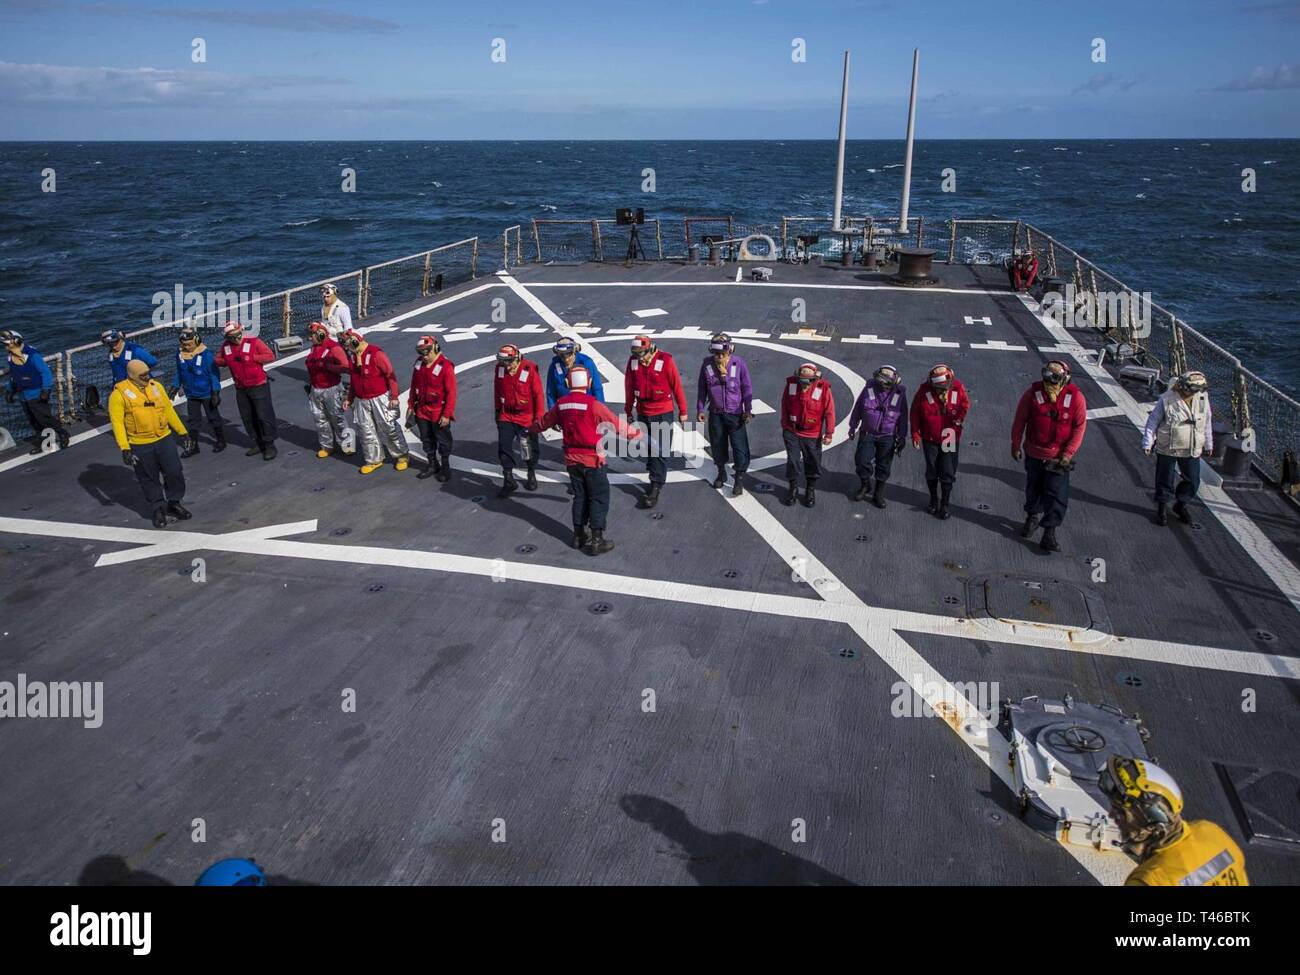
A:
745,255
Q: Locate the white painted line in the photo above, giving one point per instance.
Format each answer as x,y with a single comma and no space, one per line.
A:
978,321
759,408
932,342
422,328
868,340
752,333
737,276
689,332
1257,545
648,312
1102,412
531,327
630,330
584,328
804,335
998,345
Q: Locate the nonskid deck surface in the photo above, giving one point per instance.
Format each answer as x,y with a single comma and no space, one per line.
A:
500,676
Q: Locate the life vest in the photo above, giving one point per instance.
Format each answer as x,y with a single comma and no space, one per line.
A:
1183,427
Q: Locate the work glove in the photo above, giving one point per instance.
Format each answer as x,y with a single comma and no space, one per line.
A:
1016,453
745,418
444,422
306,388
215,399
45,395
171,393
898,447
410,421
128,458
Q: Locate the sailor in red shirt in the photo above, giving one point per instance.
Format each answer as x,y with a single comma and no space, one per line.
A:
374,404
520,403
245,356
585,421
326,364
652,387
807,424
431,406
1050,422
939,411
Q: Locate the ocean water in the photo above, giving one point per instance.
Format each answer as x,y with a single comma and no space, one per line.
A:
128,220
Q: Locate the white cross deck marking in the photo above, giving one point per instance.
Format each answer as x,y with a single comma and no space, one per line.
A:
932,342
421,328
804,335
531,327
999,346
760,408
1105,411
978,321
648,312
630,330
686,332
468,332
869,340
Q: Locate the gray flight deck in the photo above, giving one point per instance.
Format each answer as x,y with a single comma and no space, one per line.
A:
500,676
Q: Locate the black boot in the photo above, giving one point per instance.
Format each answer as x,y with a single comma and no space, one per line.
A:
651,496
191,446
1162,518
738,488
1180,509
579,537
270,452
878,498
791,492
253,451
531,481
430,469
65,441
1048,542
159,518
934,497
179,510
599,544
220,445
1030,525
721,479
810,494
864,488
944,513
444,469
508,484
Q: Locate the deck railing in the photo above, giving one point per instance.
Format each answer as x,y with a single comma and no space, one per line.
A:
1137,329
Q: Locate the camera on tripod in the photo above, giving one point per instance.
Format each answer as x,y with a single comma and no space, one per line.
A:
629,217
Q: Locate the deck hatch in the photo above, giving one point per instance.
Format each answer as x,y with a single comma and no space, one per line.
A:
1017,599
1266,802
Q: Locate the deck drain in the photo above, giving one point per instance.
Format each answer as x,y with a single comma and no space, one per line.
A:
972,443
996,817
27,507
1129,680
862,538
599,609
477,499
954,566
318,488
1264,636
657,516
340,532
234,484
1197,526
377,587
730,573
982,507
845,653
293,453
763,488
951,600
526,549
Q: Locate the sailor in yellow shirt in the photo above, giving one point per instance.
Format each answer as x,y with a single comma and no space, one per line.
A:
1148,805
143,420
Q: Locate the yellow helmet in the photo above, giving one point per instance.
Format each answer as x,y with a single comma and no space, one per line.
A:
1144,796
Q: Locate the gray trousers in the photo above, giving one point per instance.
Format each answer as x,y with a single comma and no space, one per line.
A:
377,429
326,408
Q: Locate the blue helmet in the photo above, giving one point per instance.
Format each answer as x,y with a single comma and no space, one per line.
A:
565,346
233,872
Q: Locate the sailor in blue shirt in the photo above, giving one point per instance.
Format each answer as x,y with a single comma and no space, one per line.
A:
120,352
31,381
197,374
557,376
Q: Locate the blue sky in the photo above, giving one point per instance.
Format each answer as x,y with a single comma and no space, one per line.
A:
622,69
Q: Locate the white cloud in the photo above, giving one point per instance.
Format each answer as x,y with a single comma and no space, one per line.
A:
60,84
1281,78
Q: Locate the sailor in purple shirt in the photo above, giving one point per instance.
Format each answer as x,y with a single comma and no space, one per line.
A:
881,412
726,400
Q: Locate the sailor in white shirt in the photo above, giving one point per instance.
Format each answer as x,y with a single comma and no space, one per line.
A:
334,314
1180,431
